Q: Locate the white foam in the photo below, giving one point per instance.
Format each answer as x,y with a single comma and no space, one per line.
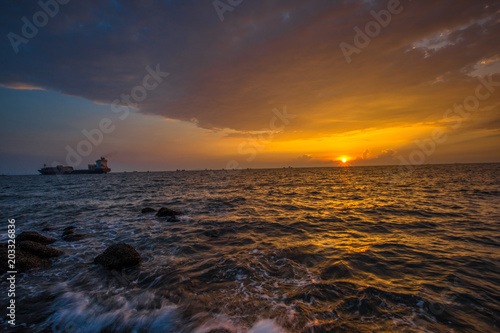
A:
223,321
81,312
266,326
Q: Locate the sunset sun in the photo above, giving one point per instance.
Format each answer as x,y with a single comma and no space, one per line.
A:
344,160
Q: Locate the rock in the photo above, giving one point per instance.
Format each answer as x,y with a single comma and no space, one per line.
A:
148,210
71,227
35,237
38,249
24,260
31,252
219,330
118,256
73,236
167,212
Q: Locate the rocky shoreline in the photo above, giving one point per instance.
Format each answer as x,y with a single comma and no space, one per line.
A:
33,252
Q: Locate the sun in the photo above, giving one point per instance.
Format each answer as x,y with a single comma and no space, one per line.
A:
344,160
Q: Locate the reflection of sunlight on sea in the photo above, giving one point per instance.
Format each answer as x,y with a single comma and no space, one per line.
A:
262,250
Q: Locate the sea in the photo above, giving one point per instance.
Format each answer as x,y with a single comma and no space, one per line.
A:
343,249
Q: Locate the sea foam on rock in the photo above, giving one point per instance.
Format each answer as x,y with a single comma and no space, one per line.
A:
118,256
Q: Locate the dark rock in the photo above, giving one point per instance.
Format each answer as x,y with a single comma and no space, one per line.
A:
73,236
219,330
148,210
35,237
167,212
24,261
118,256
38,249
71,227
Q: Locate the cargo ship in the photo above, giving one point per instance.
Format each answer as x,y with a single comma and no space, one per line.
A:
100,166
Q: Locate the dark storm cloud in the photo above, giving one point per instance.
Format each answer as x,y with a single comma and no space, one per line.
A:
265,54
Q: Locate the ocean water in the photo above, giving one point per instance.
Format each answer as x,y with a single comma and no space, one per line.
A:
278,250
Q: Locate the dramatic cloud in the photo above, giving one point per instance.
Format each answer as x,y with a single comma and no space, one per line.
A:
230,75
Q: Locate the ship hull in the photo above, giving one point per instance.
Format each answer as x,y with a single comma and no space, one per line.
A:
73,172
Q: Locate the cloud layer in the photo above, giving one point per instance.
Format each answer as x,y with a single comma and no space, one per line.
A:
231,74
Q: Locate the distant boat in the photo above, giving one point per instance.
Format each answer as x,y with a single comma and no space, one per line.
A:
100,166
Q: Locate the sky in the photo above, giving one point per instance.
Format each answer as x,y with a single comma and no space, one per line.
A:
184,84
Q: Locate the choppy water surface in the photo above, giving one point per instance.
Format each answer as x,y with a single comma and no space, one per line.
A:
292,250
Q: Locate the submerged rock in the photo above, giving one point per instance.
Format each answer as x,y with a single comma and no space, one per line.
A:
70,228
72,236
148,210
118,256
167,212
35,237
69,235
38,249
